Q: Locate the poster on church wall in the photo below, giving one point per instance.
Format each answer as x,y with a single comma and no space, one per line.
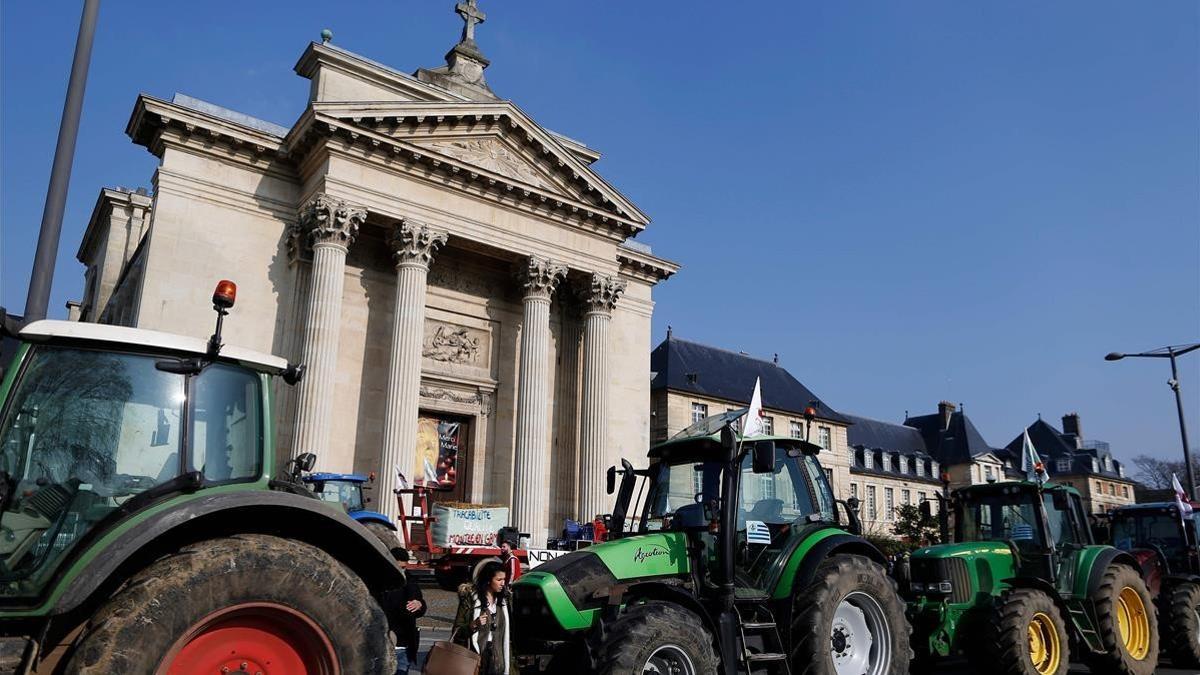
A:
437,453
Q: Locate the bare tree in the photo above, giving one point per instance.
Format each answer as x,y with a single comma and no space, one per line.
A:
1156,473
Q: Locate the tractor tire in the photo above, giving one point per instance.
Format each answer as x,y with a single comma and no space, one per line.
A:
383,533
248,602
1027,635
850,597
656,637
1128,625
1181,624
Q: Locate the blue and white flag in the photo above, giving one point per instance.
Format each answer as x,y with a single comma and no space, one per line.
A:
757,532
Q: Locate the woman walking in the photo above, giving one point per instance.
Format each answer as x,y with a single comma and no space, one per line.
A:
482,622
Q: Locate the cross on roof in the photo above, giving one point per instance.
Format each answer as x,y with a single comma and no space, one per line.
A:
471,15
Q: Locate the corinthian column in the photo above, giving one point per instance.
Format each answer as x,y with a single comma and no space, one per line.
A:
330,226
601,298
539,277
413,245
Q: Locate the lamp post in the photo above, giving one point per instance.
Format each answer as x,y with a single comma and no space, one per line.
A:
1170,352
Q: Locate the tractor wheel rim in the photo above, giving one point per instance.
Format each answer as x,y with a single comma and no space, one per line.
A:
1045,648
669,660
253,637
1133,623
860,639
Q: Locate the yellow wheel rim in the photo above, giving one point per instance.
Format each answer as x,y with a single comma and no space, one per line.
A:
1045,648
1133,623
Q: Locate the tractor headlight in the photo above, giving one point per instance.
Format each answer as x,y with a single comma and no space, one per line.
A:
943,587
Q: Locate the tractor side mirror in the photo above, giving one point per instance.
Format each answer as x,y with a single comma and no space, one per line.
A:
728,438
764,457
306,462
611,479
926,509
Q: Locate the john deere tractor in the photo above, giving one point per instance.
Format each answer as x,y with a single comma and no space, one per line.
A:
737,562
1024,588
1167,544
145,528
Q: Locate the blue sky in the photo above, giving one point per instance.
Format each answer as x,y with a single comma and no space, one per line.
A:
908,201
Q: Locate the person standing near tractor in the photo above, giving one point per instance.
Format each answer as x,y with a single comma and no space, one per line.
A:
482,621
508,558
403,606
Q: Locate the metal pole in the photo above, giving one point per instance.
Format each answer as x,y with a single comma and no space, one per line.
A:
1187,452
42,276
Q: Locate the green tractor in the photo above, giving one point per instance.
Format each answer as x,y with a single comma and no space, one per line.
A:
738,563
1024,587
144,527
1165,539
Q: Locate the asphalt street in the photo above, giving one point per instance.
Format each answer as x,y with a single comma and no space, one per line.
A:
435,625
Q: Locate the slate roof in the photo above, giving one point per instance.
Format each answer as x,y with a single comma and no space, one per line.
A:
1053,445
959,443
875,434
710,371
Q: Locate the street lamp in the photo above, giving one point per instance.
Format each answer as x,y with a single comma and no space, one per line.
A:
1170,352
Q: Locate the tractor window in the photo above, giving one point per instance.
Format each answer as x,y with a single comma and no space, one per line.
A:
1162,530
346,493
84,431
1062,528
1000,517
226,432
679,494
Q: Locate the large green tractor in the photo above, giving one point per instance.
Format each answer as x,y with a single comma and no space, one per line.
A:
1025,587
145,528
737,563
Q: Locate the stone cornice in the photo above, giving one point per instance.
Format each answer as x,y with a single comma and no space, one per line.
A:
645,266
373,128
152,116
403,84
109,197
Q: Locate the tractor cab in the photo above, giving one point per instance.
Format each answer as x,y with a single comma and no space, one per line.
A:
1044,526
1173,538
346,490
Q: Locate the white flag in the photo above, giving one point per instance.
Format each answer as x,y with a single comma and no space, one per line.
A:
1181,497
752,425
1031,461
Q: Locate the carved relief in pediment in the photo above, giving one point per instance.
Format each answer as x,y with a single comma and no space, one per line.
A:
492,155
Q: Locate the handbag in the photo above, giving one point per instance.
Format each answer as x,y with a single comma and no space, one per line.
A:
447,657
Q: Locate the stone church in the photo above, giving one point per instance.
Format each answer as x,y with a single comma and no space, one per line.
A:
460,282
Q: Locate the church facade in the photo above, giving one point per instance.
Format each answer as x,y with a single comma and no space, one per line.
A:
459,281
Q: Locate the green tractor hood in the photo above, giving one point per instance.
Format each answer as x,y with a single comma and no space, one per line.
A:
574,587
970,568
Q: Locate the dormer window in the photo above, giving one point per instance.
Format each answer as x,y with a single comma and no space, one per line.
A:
867,457
1108,463
1095,465
1063,465
903,465
920,467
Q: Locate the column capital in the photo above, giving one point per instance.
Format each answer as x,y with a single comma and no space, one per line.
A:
329,220
414,243
297,248
602,293
540,276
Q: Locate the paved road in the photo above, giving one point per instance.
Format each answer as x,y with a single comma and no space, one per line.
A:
442,605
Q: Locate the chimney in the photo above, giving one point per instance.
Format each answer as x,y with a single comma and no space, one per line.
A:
945,411
1071,428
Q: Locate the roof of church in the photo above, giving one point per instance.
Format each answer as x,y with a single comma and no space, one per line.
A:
958,443
710,371
875,434
228,115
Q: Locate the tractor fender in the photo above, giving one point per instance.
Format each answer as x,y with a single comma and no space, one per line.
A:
373,517
1100,563
830,546
223,514
672,593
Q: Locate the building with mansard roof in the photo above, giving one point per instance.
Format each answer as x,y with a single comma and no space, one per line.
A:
461,282
890,467
1088,466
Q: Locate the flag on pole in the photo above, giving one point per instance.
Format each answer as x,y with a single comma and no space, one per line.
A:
1181,497
753,423
1031,461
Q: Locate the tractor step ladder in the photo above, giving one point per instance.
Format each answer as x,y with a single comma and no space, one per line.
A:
1083,620
755,619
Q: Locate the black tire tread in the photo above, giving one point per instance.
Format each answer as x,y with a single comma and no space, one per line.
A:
627,639
1007,635
110,642
1116,660
1179,624
810,621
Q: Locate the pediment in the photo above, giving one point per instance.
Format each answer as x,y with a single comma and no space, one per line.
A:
495,140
